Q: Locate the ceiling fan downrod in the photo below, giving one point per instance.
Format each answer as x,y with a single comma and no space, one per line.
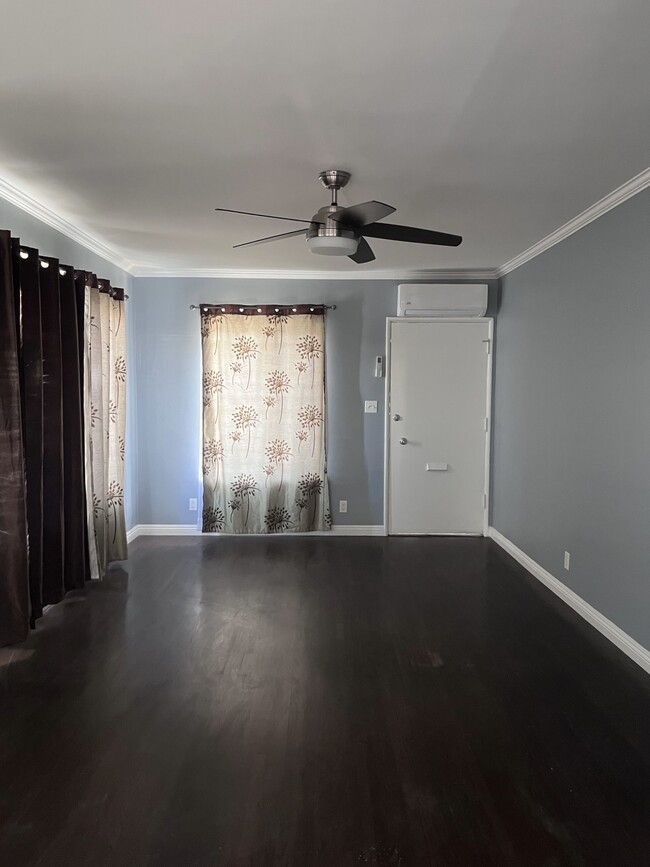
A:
334,180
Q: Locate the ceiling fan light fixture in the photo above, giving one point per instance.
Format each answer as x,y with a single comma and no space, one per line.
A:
333,245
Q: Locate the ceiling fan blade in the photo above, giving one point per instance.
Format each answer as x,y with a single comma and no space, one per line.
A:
364,253
363,214
272,238
391,232
268,216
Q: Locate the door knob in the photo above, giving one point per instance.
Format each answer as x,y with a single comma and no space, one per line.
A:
403,441
397,417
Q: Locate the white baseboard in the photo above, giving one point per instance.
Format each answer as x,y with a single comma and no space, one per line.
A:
162,530
356,530
191,530
622,640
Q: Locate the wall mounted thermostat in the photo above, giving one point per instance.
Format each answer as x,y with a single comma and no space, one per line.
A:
379,366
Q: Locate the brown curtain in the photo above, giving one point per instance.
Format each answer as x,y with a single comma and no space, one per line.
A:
14,598
44,544
74,527
26,269
80,280
53,588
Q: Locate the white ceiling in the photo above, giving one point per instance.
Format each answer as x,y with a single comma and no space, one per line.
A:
497,120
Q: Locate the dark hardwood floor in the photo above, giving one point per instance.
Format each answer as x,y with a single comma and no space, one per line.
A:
326,702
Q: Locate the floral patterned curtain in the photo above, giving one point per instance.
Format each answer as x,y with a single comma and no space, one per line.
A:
264,467
105,412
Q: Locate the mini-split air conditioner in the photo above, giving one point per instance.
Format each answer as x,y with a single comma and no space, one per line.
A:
442,299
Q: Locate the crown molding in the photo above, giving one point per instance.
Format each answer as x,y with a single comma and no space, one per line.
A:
55,221
607,203
379,274
26,203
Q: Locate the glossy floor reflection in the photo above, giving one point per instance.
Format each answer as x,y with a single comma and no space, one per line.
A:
321,701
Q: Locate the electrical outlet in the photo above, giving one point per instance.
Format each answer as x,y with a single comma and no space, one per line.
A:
567,560
343,506
194,505
371,406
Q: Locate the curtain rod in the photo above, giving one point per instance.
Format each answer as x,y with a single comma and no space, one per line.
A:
257,306
24,254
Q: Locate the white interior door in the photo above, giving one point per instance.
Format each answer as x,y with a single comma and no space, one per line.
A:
437,428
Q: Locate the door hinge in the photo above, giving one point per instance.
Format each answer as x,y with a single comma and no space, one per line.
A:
488,345
486,424
485,501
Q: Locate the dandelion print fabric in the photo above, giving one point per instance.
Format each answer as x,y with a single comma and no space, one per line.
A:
105,429
264,466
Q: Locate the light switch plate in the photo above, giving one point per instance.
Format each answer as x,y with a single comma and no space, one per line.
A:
371,406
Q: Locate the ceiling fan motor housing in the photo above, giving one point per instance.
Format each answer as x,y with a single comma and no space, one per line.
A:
328,237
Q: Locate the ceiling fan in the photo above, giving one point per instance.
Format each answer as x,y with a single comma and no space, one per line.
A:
338,231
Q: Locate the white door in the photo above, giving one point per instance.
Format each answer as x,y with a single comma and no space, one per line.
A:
437,429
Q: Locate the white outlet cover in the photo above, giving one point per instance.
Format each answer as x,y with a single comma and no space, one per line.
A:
194,505
343,506
371,406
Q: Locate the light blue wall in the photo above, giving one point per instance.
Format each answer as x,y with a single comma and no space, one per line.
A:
571,454
168,383
167,352
50,242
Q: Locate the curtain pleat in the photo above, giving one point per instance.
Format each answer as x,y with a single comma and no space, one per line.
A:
80,280
15,279
14,597
73,473
27,268
53,539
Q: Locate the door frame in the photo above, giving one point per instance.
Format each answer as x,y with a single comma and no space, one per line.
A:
411,320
